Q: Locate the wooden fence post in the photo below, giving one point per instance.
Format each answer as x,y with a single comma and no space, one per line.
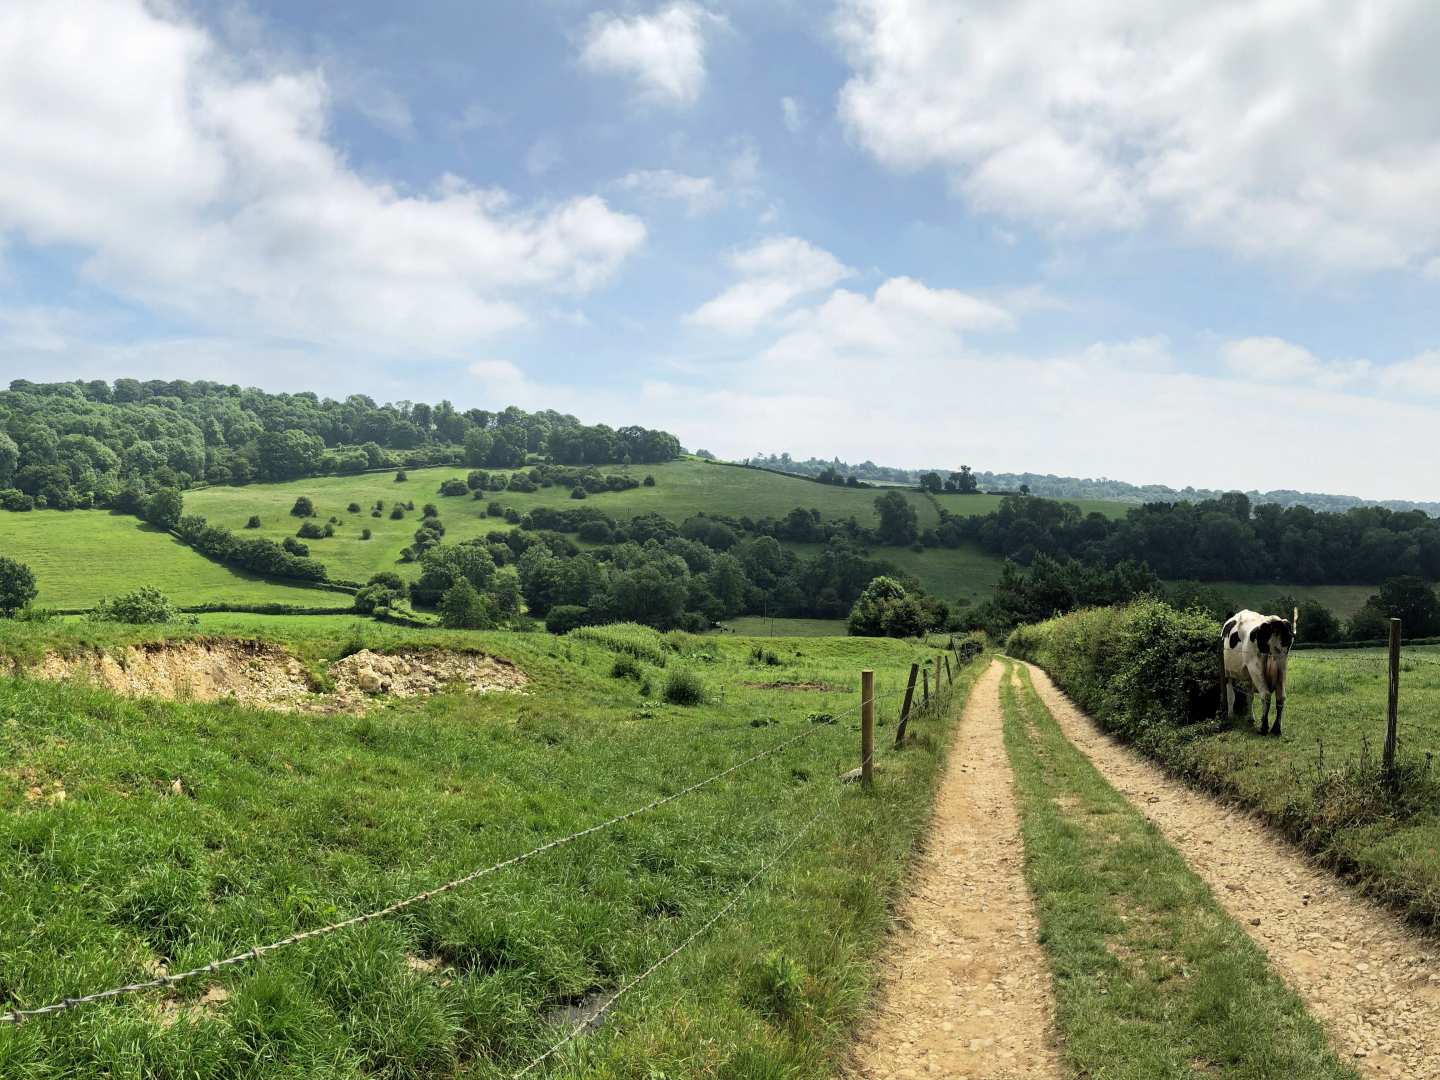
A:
949,675
867,727
1392,713
925,677
905,709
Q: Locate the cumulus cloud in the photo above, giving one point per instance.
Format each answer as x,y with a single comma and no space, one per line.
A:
663,53
700,194
203,182
773,273
1299,129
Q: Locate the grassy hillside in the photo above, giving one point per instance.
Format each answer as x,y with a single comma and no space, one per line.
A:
1344,600
144,836
82,556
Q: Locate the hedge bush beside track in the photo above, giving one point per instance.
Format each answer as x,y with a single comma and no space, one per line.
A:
1142,670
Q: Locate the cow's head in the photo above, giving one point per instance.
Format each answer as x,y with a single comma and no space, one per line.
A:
1274,636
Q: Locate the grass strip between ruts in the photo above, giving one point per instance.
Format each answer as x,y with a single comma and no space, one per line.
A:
1153,980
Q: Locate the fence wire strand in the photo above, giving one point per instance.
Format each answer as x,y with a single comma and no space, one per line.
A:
17,1016
699,932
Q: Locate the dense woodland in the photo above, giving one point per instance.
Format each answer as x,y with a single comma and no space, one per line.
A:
1224,539
78,445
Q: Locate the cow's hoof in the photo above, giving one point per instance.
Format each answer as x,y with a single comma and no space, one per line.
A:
1265,729
1275,731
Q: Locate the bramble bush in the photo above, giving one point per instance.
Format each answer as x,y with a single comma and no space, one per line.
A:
1141,670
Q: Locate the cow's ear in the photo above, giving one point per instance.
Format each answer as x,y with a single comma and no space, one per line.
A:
1287,635
1261,636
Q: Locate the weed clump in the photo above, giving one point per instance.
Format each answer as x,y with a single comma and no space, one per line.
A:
684,688
625,667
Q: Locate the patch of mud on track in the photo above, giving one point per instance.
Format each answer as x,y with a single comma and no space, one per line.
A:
966,990
1373,981
266,676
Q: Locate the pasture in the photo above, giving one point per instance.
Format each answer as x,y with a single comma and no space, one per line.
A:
682,488
145,836
81,556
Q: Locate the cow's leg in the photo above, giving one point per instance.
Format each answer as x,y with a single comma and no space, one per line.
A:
1279,712
1229,701
1265,712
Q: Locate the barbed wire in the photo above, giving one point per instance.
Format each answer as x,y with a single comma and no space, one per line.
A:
609,1002
17,1016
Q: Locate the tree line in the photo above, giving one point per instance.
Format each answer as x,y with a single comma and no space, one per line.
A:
81,444
1222,539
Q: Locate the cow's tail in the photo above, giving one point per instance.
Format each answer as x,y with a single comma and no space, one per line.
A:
1295,626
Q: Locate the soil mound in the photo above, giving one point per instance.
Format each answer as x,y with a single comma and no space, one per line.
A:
265,675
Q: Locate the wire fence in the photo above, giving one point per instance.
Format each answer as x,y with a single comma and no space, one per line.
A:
18,1015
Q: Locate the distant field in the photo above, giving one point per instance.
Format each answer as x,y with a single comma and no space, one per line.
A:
756,626
682,488
953,574
82,556
970,505
1344,600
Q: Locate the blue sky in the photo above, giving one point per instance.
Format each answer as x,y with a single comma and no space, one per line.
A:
1170,243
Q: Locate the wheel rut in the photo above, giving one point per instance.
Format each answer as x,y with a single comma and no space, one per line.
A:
966,989
1372,980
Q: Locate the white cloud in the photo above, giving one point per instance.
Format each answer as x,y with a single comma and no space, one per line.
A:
201,182
893,377
794,114
700,194
1298,129
664,53
774,273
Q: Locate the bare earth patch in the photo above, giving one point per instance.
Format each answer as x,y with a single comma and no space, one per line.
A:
1373,981
967,991
265,675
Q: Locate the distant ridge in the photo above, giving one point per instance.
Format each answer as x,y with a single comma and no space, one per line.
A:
1050,486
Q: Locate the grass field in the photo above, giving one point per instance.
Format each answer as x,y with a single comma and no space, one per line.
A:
757,626
1142,955
285,822
682,488
82,556
1344,600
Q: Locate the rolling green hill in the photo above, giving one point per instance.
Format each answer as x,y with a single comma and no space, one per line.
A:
682,488
82,556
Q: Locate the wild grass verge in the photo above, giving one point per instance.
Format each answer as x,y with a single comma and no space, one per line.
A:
1152,978
1147,674
139,835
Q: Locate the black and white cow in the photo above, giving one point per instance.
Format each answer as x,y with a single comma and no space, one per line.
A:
1256,652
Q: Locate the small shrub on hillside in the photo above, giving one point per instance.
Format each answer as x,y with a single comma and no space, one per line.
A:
143,606
400,477
562,618
310,530
379,504
577,492
512,515
397,513
649,481
303,507
365,534
353,508
254,522
494,509
626,667
454,486
17,586
684,688
430,511
295,547
377,513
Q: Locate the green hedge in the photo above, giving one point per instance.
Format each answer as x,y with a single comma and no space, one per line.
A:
1145,670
